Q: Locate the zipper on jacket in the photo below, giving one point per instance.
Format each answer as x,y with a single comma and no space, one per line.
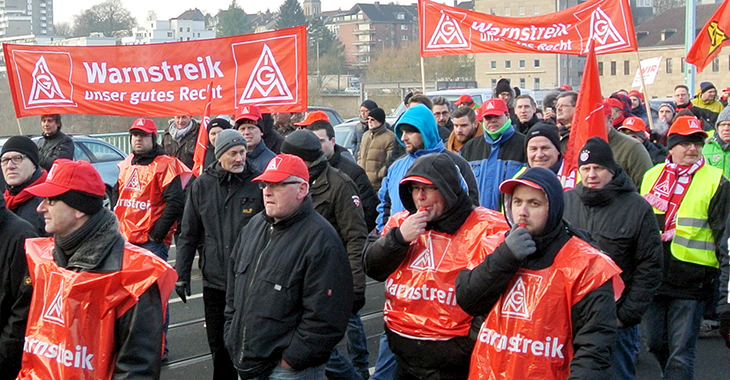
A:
253,277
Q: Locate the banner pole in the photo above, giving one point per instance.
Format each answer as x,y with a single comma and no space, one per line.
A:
647,104
20,130
423,76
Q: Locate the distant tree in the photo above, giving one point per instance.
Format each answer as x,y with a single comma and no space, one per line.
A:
233,21
402,64
330,49
662,6
63,29
290,14
109,17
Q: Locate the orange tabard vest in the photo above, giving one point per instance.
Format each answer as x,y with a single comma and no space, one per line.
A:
70,333
420,296
140,202
528,333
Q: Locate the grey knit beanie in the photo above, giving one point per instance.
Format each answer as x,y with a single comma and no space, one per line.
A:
724,116
227,139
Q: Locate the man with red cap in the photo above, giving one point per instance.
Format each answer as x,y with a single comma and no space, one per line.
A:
638,108
289,294
247,122
629,153
466,101
97,308
725,94
635,127
690,200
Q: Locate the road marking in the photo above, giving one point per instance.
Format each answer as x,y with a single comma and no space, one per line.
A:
192,297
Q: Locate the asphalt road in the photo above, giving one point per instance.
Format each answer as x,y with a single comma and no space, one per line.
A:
189,357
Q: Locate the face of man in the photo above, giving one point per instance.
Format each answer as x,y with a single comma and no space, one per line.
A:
213,134
635,101
723,130
251,133
412,140
725,94
372,123
615,113
686,154
666,115
283,198
464,129
524,110
541,153
505,96
141,142
494,123
364,112
709,95
49,125
328,145
430,198
442,114
234,159
16,174
595,176
182,121
282,118
530,207
60,218
681,96
564,110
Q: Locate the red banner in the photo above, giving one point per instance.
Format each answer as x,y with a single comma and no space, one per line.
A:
711,38
447,30
265,69
201,144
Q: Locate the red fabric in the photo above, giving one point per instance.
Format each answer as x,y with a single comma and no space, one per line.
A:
144,125
12,202
201,145
446,30
420,296
68,175
711,38
588,120
529,332
70,333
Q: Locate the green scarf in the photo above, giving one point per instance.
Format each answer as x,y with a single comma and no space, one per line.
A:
495,135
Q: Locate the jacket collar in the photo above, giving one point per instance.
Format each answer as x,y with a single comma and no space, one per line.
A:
302,212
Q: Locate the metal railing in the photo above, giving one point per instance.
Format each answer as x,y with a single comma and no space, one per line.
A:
121,139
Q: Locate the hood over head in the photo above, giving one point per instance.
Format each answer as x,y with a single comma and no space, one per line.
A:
549,183
421,118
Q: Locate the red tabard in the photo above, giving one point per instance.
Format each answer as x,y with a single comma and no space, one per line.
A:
70,333
528,333
140,202
420,296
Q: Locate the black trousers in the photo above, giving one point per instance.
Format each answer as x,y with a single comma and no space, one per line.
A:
215,304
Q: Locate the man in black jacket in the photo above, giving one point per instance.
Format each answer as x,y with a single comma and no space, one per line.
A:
54,143
21,169
289,291
607,205
15,290
525,109
541,286
219,204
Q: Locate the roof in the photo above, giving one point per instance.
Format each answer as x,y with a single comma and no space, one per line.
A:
191,14
649,34
384,12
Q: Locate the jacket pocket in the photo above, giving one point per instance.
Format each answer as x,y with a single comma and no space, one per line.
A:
618,245
282,292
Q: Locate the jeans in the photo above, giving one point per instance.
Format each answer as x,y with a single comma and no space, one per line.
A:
338,366
623,356
214,301
281,373
160,250
386,365
670,329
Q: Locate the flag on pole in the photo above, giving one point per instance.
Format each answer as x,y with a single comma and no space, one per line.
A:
201,145
588,120
711,38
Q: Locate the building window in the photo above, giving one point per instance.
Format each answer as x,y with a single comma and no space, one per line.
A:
400,16
522,63
404,27
681,65
669,66
536,63
716,64
188,29
493,65
521,10
613,67
181,29
169,34
507,64
494,83
536,11
507,11
600,69
522,82
404,38
627,68
536,85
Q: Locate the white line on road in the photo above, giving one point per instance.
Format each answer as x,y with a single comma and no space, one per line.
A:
194,296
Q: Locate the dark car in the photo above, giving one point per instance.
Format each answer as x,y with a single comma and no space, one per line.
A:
334,116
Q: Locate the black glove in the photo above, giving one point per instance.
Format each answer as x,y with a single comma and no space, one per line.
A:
359,302
182,288
725,328
520,243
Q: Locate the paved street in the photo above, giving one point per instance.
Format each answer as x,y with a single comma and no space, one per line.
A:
190,359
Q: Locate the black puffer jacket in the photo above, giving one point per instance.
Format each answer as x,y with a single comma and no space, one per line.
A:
368,196
657,152
218,206
289,293
624,226
54,146
15,293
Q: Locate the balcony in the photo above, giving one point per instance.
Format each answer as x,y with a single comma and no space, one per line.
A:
364,43
361,53
360,32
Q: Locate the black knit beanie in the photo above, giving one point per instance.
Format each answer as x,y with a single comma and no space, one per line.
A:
377,114
303,143
87,203
502,86
597,151
369,104
24,145
550,131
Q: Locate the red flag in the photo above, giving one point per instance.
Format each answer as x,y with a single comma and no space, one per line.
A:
201,145
710,39
588,119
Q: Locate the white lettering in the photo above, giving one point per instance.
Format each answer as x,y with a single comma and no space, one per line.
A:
67,358
133,203
489,32
415,293
550,347
100,72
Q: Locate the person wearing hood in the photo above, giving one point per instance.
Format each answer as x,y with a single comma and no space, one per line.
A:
504,91
707,100
21,169
180,138
365,108
248,122
547,294
417,132
219,204
635,127
607,205
638,108
214,127
498,155
54,144
437,234
717,149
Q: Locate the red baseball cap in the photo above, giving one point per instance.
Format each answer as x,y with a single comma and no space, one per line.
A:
493,107
508,186
312,117
566,87
464,99
145,125
686,125
248,112
637,94
66,175
726,89
416,178
633,124
282,166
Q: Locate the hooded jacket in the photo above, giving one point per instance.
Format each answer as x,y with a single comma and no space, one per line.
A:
625,228
712,108
368,196
219,204
630,155
716,151
375,147
57,145
421,118
185,148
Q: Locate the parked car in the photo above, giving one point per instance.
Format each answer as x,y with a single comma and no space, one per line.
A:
334,116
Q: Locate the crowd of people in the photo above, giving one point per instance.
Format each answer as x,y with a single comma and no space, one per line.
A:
494,266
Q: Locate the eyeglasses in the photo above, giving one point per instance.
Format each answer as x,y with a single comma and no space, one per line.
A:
276,185
561,106
425,189
16,159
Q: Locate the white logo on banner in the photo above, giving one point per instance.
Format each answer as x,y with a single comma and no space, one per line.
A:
430,259
133,182
448,34
266,81
603,32
54,311
516,302
45,88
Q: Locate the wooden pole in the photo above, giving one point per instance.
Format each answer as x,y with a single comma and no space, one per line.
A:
647,104
423,76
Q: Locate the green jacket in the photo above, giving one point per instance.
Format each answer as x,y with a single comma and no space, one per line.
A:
717,154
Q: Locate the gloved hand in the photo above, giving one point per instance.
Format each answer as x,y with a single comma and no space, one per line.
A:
182,288
359,302
520,242
725,328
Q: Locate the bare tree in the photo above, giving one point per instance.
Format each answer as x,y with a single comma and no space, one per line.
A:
662,6
63,29
109,17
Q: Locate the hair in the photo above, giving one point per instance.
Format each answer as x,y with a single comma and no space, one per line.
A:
465,111
441,101
681,86
423,99
56,117
568,94
320,125
526,96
